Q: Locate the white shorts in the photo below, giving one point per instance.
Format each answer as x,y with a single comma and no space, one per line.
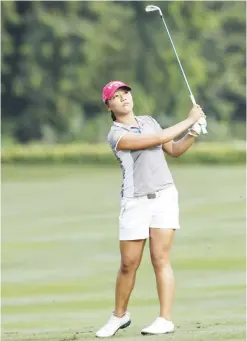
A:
139,214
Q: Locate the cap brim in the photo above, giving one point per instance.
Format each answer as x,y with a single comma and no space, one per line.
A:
117,88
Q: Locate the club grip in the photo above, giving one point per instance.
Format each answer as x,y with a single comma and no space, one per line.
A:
204,130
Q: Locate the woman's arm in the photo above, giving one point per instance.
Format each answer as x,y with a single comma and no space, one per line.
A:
131,141
179,147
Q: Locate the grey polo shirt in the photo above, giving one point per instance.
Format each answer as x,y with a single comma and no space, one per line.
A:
144,171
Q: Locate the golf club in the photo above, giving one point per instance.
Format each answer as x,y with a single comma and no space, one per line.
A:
152,8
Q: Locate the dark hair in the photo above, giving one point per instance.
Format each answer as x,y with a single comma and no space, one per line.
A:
113,116
112,113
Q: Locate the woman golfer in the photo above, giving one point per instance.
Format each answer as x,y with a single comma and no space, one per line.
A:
149,201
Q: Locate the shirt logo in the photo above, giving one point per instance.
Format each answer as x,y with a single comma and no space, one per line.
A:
137,130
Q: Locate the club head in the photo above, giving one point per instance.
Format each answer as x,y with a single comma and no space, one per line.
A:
151,8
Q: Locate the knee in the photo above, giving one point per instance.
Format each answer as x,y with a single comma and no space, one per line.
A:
160,261
129,266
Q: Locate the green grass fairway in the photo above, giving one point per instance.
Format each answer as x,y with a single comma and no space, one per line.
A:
60,255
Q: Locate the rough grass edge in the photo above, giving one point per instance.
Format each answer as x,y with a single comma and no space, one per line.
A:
205,152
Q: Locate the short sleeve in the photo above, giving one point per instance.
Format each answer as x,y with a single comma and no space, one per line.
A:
114,137
156,125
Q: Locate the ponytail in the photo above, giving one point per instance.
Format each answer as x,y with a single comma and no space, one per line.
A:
113,116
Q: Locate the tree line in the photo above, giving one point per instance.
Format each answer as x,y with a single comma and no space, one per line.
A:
57,56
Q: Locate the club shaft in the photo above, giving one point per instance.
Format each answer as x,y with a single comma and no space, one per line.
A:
181,68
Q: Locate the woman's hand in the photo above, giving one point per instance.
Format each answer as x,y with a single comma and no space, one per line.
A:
196,113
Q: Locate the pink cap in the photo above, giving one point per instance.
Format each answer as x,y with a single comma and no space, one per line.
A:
110,88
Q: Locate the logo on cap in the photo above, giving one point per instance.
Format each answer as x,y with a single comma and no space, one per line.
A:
115,84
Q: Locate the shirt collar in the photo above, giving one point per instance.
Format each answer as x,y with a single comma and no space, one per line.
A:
139,122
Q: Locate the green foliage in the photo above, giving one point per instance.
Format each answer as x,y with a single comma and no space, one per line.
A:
211,153
57,56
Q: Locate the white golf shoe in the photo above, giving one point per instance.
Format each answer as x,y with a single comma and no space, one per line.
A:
159,326
113,325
